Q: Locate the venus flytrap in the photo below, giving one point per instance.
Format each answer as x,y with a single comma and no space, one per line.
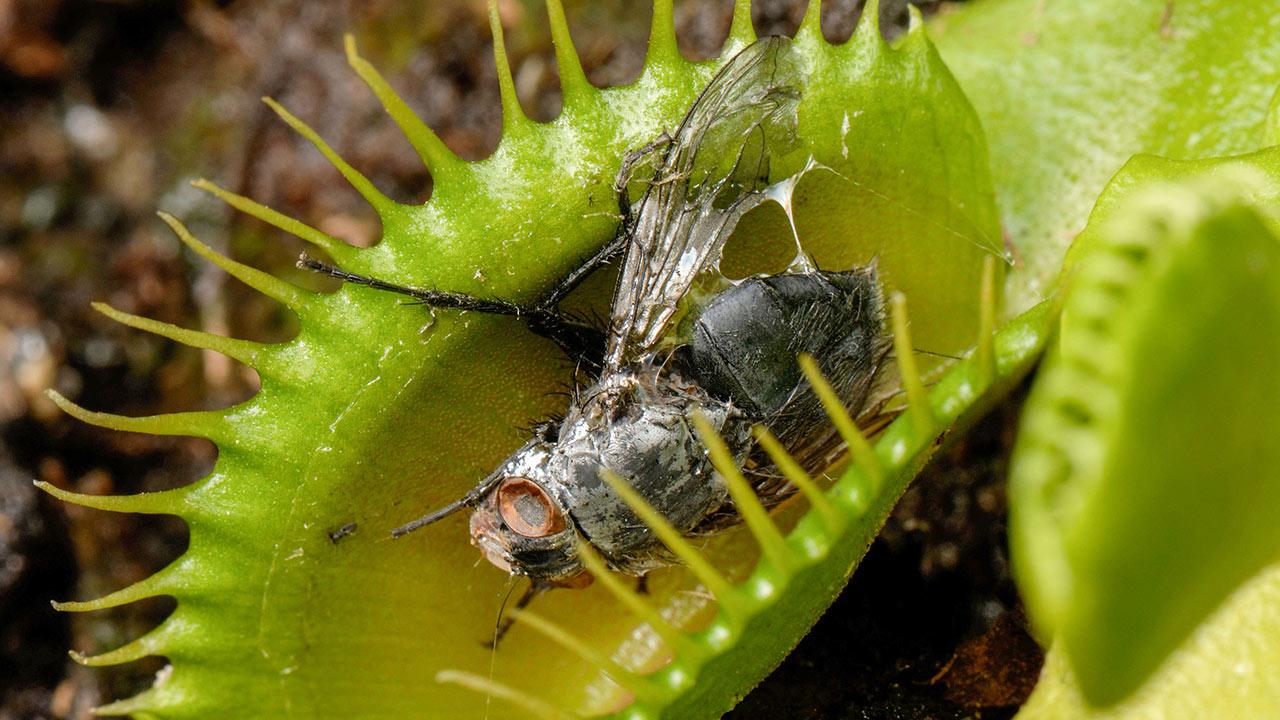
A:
376,411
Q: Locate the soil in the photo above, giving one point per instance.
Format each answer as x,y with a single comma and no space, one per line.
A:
109,109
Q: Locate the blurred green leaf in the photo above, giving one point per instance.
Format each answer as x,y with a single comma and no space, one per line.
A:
1069,91
1225,669
1145,485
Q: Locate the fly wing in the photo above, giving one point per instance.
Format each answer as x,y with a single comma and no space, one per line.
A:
713,170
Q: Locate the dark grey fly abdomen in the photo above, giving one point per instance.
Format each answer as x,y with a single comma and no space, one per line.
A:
746,340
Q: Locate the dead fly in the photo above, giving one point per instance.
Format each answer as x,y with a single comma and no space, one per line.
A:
681,339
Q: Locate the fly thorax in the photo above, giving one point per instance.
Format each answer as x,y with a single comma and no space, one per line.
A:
648,439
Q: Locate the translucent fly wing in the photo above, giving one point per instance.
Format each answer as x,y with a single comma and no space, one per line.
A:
705,177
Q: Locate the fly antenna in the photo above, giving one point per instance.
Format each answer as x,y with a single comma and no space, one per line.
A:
467,500
431,517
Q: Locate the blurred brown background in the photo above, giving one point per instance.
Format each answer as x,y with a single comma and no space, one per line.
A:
109,109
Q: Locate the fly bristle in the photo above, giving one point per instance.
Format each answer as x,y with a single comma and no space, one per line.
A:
544,427
863,454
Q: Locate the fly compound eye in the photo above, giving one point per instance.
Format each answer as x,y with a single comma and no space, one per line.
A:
527,509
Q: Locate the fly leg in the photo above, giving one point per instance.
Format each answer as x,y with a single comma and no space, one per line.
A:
506,621
578,339
582,341
612,250
635,161
432,298
616,247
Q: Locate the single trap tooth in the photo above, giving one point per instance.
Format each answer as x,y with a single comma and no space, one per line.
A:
680,643
164,582
811,23
439,159
985,350
156,642
243,351
337,249
796,475
663,49
917,398
210,425
639,686
697,563
384,205
745,499
513,117
742,32
574,85
167,502
863,454
536,708
286,293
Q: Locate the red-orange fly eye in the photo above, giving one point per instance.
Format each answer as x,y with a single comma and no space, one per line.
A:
527,509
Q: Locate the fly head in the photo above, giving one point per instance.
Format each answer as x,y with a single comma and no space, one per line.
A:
523,526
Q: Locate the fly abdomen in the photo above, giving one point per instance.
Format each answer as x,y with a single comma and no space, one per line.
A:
746,340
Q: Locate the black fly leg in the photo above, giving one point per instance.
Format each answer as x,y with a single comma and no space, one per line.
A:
582,341
579,340
617,246
633,162
611,251
433,298
506,621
